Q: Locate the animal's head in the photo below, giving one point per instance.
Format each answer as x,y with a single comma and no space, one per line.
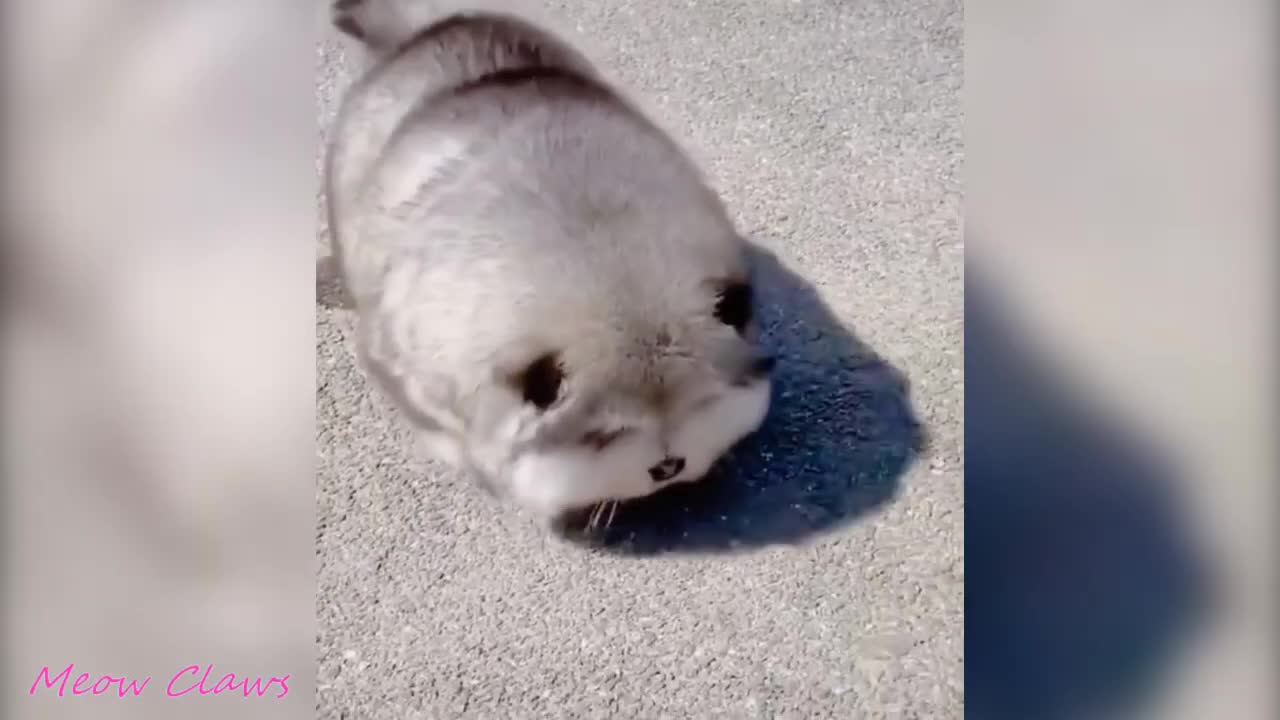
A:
622,412
599,403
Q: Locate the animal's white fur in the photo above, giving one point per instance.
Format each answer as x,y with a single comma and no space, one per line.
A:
480,230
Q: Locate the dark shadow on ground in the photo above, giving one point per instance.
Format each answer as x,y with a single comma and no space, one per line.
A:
1081,581
839,435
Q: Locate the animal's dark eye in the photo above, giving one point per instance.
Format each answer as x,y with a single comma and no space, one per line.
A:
733,306
540,382
600,439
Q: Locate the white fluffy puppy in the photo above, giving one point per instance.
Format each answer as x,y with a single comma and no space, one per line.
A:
544,282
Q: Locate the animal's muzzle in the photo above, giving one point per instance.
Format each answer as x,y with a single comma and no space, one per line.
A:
667,469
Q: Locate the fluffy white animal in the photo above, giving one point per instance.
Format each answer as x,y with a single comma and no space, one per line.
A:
544,283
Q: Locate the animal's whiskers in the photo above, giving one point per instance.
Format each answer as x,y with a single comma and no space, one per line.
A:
594,519
598,514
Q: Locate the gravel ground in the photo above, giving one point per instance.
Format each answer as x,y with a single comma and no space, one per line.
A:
822,574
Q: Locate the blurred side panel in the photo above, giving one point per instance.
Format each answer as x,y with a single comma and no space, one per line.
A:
1120,336
158,397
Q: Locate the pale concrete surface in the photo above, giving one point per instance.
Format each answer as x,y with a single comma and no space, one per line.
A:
823,575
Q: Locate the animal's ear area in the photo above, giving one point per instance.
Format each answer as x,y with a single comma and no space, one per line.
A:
541,381
734,304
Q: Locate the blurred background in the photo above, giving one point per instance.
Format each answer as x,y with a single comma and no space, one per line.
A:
158,309
159,213
1119,310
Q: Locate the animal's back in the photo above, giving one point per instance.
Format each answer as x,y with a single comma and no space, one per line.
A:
488,155
364,176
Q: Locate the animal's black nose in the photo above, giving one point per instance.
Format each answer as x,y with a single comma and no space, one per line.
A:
666,469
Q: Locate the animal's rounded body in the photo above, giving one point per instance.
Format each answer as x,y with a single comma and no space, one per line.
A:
545,284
